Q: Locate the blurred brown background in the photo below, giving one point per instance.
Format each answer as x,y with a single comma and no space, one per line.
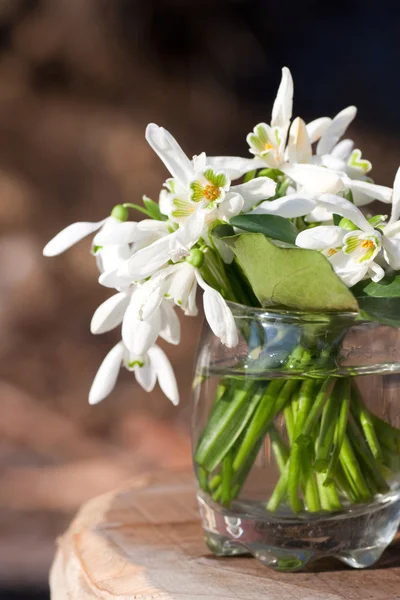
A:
79,81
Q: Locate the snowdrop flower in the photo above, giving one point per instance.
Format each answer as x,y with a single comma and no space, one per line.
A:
71,235
196,187
267,142
148,368
351,253
179,283
138,334
391,231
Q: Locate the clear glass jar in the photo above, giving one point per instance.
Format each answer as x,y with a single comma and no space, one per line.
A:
296,438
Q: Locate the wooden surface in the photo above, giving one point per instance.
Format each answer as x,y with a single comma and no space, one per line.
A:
144,541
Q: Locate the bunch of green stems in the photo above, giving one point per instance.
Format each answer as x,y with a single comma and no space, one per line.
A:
334,453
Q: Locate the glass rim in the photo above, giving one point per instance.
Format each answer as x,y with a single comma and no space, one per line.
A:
245,311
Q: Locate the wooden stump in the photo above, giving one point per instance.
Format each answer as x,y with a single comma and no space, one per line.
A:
144,541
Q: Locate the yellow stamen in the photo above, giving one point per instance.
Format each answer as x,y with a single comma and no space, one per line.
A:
268,146
367,244
211,192
332,251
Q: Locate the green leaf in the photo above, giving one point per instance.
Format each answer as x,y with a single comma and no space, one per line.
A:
277,228
153,210
290,277
222,230
380,301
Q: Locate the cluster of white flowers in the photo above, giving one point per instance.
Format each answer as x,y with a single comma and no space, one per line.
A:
156,264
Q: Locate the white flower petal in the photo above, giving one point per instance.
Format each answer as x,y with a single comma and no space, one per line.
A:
106,377
392,252
349,272
171,326
255,190
320,238
336,129
70,236
110,258
218,314
345,208
165,374
375,272
373,191
123,233
314,179
148,260
171,154
146,375
317,127
282,108
343,149
235,166
299,145
182,240
230,206
396,198
290,207
110,313
139,335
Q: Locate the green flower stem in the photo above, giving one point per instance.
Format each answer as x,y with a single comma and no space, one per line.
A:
289,421
365,456
311,495
344,484
279,448
364,417
388,435
277,394
226,483
340,429
350,463
317,406
280,490
325,439
329,497
202,477
228,420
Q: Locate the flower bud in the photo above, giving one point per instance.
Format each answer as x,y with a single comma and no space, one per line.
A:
196,258
347,224
120,212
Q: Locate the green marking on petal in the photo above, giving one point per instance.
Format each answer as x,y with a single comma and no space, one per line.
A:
197,191
170,185
261,134
351,244
96,249
182,208
136,363
217,179
356,162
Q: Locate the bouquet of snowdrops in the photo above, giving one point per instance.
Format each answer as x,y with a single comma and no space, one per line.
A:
286,228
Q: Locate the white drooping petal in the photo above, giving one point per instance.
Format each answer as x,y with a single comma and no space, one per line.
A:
396,199
70,236
110,313
317,127
106,377
165,373
119,235
345,208
282,108
320,238
290,207
371,190
218,314
343,149
110,258
182,240
314,179
181,284
231,206
171,154
299,145
170,325
138,335
348,271
336,129
255,190
375,272
234,166
391,251
148,260
146,375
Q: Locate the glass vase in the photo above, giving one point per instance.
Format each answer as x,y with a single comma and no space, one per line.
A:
296,438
